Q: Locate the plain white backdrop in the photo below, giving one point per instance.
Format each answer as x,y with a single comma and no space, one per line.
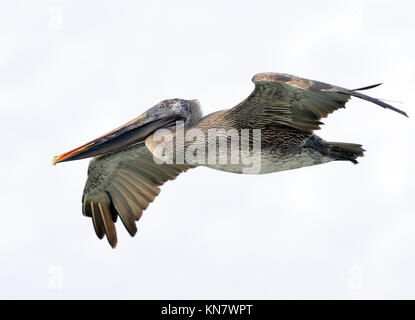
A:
73,70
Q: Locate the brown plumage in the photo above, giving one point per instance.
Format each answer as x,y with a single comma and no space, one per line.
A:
123,178
124,187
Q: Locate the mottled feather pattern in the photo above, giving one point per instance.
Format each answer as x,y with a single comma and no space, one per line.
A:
123,184
288,100
324,90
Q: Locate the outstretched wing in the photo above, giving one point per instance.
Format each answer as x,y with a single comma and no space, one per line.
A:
295,102
123,184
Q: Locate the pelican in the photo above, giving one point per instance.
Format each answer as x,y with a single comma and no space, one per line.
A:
131,162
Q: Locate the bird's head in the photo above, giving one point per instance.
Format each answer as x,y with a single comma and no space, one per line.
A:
186,110
164,114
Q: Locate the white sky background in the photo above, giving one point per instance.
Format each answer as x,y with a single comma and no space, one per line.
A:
73,70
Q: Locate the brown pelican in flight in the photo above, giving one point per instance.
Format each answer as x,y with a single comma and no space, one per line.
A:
124,176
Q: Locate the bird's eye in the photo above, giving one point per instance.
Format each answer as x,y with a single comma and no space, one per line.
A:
160,106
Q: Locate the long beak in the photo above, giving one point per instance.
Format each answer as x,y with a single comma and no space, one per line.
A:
134,131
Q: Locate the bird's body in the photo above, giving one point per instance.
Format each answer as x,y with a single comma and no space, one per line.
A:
281,148
270,131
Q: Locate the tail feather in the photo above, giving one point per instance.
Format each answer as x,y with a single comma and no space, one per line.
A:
345,151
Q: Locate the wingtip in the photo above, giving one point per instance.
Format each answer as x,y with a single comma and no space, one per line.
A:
399,111
113,244
112,240
373,100
368,87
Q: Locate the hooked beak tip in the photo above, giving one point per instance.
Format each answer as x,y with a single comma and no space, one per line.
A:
67,155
